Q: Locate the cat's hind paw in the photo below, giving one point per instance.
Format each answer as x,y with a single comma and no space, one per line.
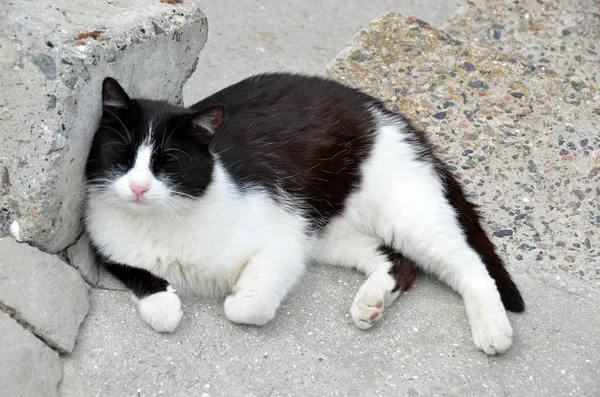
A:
372,298
492,333
490,327
162,311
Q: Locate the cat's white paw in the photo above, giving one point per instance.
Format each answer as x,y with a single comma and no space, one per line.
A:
372,298
492,333
243,309
490,327
162,311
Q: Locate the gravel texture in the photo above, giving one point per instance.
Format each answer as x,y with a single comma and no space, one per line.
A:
563,36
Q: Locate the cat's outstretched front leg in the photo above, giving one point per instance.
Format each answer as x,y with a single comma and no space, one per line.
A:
267,278
158,304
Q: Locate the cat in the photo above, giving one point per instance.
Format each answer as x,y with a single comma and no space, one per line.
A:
233,196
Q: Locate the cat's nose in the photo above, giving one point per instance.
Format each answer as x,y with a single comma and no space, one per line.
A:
138,190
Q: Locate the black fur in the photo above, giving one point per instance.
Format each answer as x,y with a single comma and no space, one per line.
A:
305,135
141,282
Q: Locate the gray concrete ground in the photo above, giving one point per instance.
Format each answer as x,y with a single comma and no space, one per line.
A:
422,346
312,348
255,36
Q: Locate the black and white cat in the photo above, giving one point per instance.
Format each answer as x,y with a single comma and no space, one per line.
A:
234,195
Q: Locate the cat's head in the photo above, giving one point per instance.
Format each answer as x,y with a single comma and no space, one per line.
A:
147,153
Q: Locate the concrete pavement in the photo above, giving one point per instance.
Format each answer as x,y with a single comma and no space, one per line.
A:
312,348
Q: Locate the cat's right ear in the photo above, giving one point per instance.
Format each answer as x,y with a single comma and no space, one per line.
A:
113,95
209,120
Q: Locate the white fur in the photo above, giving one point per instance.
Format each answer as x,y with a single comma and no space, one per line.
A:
249,246
162,311
401,202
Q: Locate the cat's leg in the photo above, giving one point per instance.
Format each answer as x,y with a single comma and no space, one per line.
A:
265,281
430,235
389,273
158,303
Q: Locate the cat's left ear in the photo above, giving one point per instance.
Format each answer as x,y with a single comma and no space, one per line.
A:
113,95
209,120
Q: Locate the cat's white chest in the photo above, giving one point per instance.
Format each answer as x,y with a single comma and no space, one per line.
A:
202,251
199,256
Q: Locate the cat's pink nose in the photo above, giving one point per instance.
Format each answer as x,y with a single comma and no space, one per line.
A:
138,190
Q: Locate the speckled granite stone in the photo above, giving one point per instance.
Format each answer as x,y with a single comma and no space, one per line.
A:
560,35
523,141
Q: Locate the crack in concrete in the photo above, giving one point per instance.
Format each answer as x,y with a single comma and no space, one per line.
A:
15,315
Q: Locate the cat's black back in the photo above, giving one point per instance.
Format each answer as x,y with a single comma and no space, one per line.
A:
303,135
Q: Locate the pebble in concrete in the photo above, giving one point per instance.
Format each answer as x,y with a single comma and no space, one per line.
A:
53,58
27,366
46,293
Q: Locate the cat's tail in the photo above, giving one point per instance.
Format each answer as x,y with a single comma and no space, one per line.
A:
477,238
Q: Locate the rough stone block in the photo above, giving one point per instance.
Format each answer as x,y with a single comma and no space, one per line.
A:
46,293
27,366
53,58
522,146
82,258
563,36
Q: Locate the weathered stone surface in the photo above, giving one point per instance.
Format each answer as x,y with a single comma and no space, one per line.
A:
27,366
563,36
46,293
82,258
4,189
53,58
523,149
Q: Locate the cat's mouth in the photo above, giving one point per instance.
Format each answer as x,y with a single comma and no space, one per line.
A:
139,205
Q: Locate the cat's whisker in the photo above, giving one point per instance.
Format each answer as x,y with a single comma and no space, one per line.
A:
184,194
170,135
118,119
127,140
176,216
175,157
180,204
162,142
178,150
113,143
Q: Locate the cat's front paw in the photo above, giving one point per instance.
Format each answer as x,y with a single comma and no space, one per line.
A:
162,311
243,309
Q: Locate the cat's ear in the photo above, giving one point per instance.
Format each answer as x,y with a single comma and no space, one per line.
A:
209,120
113,95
